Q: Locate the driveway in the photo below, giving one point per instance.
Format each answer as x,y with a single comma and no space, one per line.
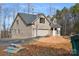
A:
8,41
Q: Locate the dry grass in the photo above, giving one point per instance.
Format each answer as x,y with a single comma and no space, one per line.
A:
56,42
33,50
48,46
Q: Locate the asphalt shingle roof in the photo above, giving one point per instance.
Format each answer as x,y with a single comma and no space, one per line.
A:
55,25
27,18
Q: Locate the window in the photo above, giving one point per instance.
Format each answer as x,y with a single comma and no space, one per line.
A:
18,31
55,28
51,28
14,31
42,20
17,22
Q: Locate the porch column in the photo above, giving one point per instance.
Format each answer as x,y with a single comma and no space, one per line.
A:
58,31
54,32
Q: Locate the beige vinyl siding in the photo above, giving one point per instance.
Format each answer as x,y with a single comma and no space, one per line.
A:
20,30
39,25
43,29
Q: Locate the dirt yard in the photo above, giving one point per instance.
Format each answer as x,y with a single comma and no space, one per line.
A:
47,46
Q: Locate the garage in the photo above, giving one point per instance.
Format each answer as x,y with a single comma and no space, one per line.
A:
40,32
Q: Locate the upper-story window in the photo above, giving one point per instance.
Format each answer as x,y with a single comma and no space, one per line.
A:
17,22
42,20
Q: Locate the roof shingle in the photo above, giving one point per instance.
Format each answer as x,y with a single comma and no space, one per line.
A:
27,18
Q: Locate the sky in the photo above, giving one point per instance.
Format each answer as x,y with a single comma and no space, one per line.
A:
36,8
45,7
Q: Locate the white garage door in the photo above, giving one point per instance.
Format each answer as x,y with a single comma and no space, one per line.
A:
40,33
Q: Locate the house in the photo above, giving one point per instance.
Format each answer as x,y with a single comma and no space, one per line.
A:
55,28
29,25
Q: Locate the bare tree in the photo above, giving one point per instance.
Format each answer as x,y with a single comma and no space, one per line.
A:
30,8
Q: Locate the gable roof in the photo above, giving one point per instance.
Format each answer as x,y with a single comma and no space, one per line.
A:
55,25
27,18
45,17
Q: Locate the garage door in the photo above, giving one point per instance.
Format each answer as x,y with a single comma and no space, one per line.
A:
40,33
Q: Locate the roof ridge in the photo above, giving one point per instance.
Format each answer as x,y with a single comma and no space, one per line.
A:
26,13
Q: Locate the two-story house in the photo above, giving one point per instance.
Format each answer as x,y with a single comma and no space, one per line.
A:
29,25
